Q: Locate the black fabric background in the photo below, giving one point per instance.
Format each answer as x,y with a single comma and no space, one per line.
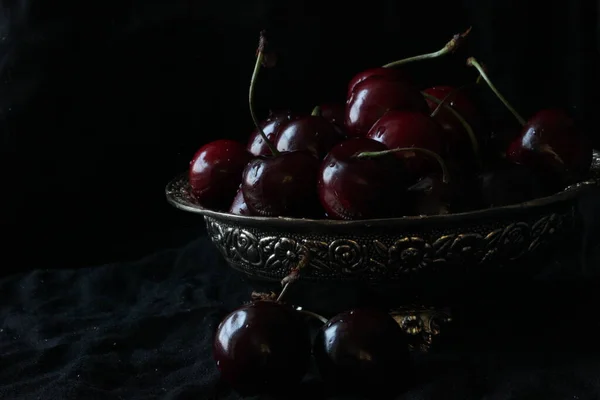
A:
101,102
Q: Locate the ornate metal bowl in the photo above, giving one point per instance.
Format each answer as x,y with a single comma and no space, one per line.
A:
388,250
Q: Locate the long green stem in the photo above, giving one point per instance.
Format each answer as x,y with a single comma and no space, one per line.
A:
259,61
472,62
375,154
463,122
448,48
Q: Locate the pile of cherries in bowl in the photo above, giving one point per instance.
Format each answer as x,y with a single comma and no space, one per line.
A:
390,151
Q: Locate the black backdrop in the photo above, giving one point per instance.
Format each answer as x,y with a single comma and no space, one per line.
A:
101,102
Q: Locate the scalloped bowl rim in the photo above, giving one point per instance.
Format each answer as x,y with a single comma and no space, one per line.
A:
567,194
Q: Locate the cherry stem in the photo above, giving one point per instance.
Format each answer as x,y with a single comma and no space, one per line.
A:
453,93
472,62
464,123
316,112
449,48
313,315
447,99
294,274
259,60
374,154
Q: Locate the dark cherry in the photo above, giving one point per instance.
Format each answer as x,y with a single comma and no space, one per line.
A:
410,129
351,188
239,206
456,138
216,171
432,196
262,347
390,74
375,96
362,349
271,126
550,142
312,133
373,92
282,186
334,113
458,101
510,183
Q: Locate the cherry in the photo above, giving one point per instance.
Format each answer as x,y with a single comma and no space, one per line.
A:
262,347
509,184
373,92
334,113
410,129
282,186
383,73
458,100
432,196
215,172
549,141
312,133
239,206
362,349
460,144
351,188
456,135
373,97
271,127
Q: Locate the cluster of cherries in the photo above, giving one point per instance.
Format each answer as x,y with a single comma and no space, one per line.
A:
265,347
390,151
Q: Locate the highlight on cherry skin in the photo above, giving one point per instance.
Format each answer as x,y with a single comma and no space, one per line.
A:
307,164
265,347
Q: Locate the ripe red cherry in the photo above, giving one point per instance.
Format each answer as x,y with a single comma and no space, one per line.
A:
271,126
432,196
410,129
390,74
456,136
373,92
239,206
550,142
216,171
262,347
458,101
362,349
312,133
461,144
374,96
282,186
351,188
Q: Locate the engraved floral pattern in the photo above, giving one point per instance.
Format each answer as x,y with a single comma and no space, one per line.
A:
286,255
244,246
382,257
409,254
347,255
515,240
